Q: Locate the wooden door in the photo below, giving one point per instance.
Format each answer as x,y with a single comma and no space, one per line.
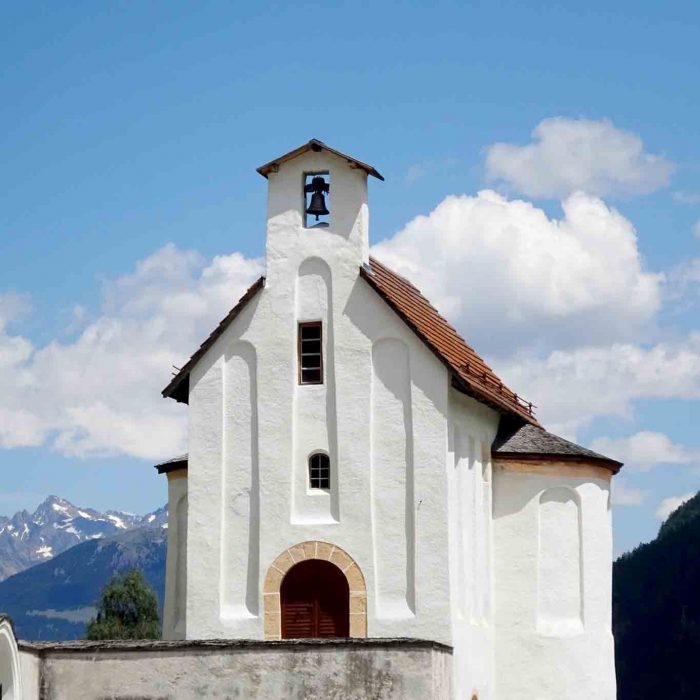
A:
315,601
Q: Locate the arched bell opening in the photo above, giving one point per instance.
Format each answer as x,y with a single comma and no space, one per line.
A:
315,601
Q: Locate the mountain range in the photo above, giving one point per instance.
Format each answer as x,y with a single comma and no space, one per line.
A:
55,599
56,525
55,561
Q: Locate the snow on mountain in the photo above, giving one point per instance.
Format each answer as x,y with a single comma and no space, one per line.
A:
54,599
56,525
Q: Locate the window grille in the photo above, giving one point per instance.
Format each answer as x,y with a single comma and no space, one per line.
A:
319,471
310,350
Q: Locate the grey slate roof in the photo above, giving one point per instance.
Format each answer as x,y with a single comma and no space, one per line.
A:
171,465
529,440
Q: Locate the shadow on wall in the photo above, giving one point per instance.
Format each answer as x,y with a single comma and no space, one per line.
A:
315,411
364,309
559,579
241,505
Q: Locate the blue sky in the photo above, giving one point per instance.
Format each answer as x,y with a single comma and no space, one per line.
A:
129,138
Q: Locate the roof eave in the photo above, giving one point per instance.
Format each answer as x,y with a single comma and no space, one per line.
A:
458,382
172,466
502,406
178,389
179,386
316,145
606,462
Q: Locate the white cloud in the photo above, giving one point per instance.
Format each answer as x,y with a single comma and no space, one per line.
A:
644,450
415,173
696,229
682,286
12,307
554,302
668,505
567,155
574,387
686,197
508,275
100,393
623,495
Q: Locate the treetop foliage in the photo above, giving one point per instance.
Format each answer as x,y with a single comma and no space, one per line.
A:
128,610
656,612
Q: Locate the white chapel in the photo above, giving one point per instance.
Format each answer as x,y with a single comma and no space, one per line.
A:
356,470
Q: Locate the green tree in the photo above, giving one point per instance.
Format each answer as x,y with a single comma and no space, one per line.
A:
656,612
128,610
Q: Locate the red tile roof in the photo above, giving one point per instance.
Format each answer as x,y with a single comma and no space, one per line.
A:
470,373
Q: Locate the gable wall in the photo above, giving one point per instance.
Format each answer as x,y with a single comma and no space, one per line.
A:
381,415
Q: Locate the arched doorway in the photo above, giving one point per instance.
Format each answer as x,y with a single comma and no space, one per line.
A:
312,550
315,601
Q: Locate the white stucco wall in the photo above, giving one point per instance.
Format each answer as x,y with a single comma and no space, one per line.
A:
175,604
553,573
30,665
10,665
397,531
472,430
451,550
315,419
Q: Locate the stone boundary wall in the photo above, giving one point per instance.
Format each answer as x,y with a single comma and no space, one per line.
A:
342,669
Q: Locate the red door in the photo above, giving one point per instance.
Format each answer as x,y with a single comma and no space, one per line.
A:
315,601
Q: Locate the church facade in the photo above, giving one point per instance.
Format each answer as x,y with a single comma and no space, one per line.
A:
355,469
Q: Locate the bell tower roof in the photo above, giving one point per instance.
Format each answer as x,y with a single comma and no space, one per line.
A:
317,146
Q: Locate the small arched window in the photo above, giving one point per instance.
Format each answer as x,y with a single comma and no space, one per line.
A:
319,471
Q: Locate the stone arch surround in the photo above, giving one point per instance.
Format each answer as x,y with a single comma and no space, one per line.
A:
314,549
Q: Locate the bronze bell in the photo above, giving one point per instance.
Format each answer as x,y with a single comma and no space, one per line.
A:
317,206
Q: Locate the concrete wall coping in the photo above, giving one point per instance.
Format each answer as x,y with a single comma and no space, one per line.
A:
300,645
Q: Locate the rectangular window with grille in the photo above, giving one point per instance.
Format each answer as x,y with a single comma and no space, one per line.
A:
310,351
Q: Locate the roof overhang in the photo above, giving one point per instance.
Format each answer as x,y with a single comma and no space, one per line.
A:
545,457
520,442
172,465
484,387
179,386
316,146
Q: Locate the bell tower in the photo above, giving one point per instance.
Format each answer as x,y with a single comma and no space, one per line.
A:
317,205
